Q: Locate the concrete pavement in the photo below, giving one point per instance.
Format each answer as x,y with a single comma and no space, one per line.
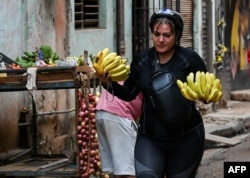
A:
232,120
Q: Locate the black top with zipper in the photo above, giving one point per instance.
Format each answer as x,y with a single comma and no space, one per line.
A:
182,62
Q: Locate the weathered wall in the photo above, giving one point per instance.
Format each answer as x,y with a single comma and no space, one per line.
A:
237,41
29,25
94,40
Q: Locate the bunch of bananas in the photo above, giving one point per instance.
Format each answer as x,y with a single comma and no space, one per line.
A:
220,52
28,59
201,86
110,62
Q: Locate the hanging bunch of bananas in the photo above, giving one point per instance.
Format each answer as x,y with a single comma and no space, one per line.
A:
201,86
220,52
109,62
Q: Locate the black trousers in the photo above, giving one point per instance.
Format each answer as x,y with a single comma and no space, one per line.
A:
178,157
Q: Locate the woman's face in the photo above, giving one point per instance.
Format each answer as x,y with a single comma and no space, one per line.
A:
163,37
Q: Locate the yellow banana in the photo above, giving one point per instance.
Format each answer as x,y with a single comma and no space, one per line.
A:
220,87
216,84
191,93
198,90
119,78
184,84
128,67
203,81
179,83
212,95
99,53
98,69
108,59
120,73
197,77
118,57
208,78
117,69
185,94
124,60
219,96
198,84
190,81
111,65
97,58
105,52
212,77
207,90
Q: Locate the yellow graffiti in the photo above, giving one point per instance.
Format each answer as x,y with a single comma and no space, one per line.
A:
239,47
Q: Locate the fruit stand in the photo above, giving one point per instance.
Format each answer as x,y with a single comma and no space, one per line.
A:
52,73
47,78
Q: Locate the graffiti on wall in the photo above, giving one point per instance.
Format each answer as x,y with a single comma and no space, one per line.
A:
237,39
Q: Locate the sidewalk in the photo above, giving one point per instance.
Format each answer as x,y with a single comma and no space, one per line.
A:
232,120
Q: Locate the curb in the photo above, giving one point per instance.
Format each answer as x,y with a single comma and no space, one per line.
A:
226,124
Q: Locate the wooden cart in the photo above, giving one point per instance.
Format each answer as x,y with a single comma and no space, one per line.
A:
48,78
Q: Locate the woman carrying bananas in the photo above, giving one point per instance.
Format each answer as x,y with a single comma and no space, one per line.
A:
170,140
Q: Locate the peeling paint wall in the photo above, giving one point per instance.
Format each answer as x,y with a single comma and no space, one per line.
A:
30,24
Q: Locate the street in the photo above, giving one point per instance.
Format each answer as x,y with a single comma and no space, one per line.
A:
213,160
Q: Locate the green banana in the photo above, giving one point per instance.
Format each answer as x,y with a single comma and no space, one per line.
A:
29,54
26,64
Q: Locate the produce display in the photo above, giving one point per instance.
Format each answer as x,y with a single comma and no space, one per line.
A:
43,56
109,62
201,86
87,138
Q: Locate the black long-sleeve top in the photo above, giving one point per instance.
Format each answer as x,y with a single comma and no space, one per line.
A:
183,62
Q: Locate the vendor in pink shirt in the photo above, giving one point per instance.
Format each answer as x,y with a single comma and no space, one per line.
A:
116,122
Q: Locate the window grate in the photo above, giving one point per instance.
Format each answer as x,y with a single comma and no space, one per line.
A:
86,14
